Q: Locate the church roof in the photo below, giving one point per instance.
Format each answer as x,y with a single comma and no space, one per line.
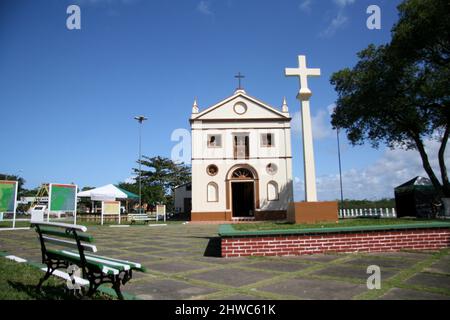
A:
240,95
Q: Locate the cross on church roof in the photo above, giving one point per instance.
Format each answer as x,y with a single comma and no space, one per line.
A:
239,76
303,73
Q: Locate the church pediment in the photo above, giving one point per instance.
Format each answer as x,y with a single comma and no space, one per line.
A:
240,106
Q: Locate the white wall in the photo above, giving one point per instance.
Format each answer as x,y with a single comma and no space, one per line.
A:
257,120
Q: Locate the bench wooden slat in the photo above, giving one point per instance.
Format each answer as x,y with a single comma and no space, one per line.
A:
90,258
61,225
134,265
54,232
70,244
76,260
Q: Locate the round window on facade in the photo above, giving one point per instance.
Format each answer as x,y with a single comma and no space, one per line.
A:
212,170
240,108
271,168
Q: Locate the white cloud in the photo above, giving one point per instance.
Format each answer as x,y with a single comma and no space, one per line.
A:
104,2
377,180
321,125
344,3
305,6
204,7
336,23
339,20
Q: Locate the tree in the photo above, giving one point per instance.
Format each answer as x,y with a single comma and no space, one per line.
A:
398,93
159,176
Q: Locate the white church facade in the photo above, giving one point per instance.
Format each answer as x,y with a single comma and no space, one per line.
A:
241,160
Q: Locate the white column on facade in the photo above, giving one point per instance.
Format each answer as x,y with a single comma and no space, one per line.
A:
304,95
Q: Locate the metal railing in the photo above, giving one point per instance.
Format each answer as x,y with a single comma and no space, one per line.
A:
368,212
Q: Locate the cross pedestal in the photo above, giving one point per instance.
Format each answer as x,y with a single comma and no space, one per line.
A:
308,211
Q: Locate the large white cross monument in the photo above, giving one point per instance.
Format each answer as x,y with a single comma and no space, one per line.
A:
304,95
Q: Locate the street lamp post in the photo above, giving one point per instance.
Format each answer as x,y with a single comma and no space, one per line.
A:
340,167
140,119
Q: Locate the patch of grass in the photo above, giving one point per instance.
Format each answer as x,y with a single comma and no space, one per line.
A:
339,224
18,281
19,224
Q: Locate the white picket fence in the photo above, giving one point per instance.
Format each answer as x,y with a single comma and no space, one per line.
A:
368,212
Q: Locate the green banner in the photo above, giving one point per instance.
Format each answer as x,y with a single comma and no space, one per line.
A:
7,196
62,197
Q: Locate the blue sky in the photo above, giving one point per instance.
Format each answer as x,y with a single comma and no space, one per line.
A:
68,97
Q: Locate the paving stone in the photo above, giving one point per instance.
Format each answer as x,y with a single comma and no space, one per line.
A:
381,262
232,276
422,255
176,267
359,273
178,245
279,266
166,290
323,258
241,297
315,289
110,252
130,256
430,280
442,266
217,260
408,294
173,253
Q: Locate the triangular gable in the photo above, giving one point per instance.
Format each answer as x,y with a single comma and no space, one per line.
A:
256,109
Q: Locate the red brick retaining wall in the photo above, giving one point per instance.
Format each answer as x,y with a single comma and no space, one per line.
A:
365,241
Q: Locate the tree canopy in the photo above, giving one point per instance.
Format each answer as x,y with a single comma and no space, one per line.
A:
398,93
159,176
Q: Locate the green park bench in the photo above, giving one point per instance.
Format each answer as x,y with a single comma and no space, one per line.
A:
137,217
78,250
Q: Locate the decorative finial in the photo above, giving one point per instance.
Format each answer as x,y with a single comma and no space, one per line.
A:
195,106
285,108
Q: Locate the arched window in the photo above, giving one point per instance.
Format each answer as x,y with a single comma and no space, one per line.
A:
272,191
242,173
212,192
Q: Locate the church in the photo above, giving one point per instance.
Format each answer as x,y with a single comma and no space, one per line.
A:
241,160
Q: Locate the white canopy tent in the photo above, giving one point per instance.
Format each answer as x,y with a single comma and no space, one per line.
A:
106,193
109,192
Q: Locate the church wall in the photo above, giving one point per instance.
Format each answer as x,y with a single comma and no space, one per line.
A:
224,124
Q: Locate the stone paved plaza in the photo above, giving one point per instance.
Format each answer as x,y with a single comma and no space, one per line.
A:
183,263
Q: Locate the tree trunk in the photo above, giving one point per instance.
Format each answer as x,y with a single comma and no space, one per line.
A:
443,167
426,165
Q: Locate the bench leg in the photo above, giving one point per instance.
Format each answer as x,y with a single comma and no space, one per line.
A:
116,287
92,287
45,277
